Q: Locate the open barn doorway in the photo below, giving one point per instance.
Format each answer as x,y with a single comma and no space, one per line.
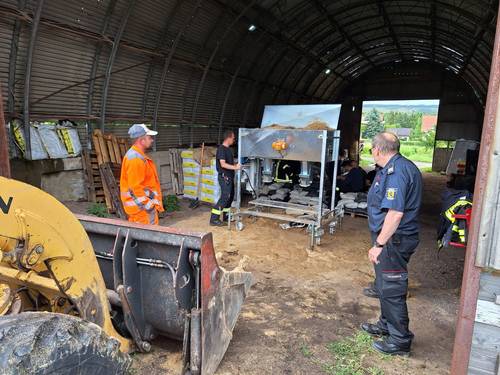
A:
413,121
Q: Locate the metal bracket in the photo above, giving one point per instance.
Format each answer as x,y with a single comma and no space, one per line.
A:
131,294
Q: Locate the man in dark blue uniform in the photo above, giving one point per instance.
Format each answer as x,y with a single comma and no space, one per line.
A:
393,204
354,179
225,167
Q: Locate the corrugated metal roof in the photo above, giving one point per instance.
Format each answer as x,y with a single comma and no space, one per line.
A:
282,61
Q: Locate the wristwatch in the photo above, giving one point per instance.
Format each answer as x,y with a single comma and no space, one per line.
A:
376,244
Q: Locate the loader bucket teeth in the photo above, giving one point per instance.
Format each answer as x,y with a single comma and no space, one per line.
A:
222,300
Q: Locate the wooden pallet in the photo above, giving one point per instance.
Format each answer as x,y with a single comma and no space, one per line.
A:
95,191
110,173
107,149
110,149
176,171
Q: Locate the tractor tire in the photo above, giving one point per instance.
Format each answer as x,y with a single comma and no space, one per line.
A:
47,343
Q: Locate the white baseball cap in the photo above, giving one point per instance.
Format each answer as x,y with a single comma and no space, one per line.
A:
139,130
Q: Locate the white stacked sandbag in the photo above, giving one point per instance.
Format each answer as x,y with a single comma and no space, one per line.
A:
204,186
210,189
191,171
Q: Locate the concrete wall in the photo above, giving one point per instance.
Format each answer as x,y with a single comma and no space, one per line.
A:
62,178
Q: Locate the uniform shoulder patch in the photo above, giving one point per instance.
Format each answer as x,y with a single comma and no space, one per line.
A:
390,170
390,193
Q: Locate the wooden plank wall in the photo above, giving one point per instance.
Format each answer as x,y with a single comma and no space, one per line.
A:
485,350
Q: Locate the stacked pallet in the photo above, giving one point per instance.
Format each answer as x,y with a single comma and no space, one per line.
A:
95,190
102,167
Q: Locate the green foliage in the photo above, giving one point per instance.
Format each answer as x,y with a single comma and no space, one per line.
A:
416,153
428,139
445,144
412,120
349,356
171,203
306,351
98,209
420,149
373,124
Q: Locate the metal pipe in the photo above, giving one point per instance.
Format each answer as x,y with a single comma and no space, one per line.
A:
322,178
267,171
305,172
111,61
27,77
470,281
335,156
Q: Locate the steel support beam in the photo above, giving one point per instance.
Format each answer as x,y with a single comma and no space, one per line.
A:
198,56
280,37
320,8
224,104
242,46
285,76
479,34
4,142
168,60
27,77
14,49
354,8
95,66
159,46
388,24
111,61
433,29
201,85
253,66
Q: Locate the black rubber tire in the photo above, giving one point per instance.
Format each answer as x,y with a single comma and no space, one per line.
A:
46,343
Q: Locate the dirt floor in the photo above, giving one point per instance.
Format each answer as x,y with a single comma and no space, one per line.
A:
301,304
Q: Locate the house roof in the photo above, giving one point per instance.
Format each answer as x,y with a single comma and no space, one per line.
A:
401,132
428,122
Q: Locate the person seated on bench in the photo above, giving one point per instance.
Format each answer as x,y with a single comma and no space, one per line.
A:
353,179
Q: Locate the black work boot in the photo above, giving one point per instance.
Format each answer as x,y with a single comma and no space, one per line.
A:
374,330
216,223
385,347
371,291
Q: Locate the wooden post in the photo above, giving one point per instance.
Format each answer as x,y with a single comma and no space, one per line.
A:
4,143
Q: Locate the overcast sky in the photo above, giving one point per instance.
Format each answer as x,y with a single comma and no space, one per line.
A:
404,102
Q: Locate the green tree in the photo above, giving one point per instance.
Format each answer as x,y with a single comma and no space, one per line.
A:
428,139
373,124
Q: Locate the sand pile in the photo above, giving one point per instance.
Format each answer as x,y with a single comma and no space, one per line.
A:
318,125
279,127
314,125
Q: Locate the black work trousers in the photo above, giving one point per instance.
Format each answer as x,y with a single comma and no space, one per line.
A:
391,282
226,197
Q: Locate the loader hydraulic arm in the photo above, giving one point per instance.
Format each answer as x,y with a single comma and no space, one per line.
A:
44,247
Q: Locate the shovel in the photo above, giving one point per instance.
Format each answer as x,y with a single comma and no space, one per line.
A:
194,204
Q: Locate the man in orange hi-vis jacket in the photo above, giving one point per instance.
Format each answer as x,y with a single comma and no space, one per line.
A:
139,183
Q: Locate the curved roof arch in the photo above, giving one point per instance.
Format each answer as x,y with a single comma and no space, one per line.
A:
198,62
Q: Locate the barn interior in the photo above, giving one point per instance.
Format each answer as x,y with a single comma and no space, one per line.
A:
192,69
